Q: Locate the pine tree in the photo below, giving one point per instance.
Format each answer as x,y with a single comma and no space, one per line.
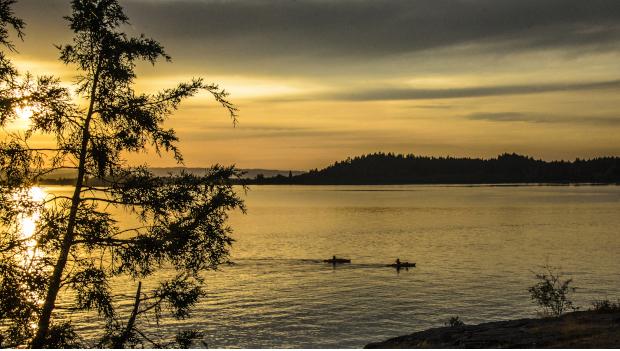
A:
78,246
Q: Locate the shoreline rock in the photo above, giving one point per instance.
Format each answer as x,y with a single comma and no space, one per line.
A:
586,329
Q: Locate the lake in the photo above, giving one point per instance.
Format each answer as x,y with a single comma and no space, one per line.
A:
476,247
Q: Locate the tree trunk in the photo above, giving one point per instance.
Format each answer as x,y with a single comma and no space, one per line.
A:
38,341
120,343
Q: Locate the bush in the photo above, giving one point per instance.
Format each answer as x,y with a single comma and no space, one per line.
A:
552,293
605,306
455,322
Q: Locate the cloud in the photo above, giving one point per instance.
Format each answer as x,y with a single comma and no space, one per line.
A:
499,116
434,107
545,118
280,31
260,132
373,50
379,27
396,93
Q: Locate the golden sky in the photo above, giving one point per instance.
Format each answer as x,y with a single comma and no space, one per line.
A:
318,80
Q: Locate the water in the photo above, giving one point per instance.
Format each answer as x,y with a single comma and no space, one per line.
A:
476,249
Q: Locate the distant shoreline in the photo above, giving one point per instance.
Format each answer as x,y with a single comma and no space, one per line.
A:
252,182
507,185
397,169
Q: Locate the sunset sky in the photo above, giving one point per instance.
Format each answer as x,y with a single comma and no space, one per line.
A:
317,80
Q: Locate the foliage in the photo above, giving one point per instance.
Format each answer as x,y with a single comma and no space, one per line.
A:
552,293
8,73
605,306
455,322
78,246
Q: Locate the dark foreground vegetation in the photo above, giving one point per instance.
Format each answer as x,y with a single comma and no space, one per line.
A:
588,329
382,168
77,248
599,327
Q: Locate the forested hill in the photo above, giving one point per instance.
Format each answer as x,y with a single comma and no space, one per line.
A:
382,168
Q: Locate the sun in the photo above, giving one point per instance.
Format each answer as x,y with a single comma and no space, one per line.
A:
24,113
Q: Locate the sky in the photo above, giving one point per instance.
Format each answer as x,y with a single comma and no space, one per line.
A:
317,81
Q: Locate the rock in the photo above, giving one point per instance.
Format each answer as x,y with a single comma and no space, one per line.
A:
572,330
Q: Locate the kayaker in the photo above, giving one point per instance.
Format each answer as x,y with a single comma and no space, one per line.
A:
398,261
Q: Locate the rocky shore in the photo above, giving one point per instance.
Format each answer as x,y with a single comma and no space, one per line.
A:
573,330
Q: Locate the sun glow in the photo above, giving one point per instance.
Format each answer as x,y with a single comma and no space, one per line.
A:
24,113
28,225
22,118
36,194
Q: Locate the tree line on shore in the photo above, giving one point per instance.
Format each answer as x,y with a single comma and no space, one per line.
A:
390,168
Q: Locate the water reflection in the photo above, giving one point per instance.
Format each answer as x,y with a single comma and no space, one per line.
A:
28,220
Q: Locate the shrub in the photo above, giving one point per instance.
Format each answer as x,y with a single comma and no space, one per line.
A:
455,322
605,306
552,293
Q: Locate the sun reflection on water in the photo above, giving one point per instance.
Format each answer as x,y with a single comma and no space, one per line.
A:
28,222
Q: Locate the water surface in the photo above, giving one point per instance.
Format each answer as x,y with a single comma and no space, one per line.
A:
476,249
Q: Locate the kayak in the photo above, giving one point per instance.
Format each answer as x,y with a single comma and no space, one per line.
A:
337,260
402,265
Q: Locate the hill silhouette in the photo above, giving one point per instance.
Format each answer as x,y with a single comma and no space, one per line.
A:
389,168
67,177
